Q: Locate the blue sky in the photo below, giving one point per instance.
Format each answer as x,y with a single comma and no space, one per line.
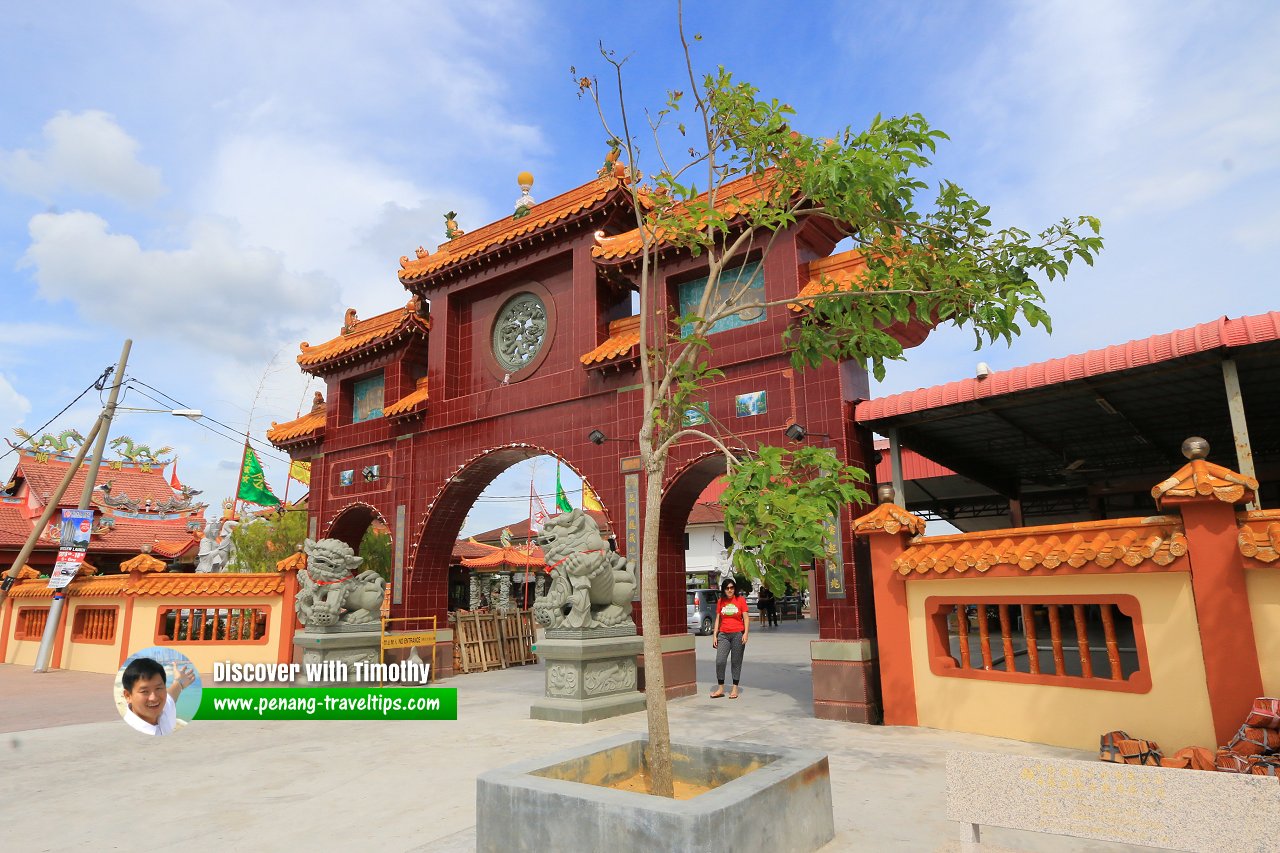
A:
220,180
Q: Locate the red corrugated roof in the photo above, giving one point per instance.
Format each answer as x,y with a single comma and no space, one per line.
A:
914,466
1218,334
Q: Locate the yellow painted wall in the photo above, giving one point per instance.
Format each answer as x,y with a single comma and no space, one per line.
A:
1175,713
1263,586
92,657
22,652
204,655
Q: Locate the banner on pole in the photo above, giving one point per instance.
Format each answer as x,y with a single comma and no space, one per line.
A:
77,528
64,571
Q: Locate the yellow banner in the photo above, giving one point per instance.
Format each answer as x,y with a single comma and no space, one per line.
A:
589,499
301,471
400,641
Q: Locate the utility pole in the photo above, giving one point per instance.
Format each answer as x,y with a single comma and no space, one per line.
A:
53,625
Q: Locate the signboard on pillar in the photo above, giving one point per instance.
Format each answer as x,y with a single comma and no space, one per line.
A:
397,587
631,480
834,563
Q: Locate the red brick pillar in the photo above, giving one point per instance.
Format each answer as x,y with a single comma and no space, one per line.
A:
887,529
1206,495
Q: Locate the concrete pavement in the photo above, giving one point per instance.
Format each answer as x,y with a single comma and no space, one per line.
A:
79,779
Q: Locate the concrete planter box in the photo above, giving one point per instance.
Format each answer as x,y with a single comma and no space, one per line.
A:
766,798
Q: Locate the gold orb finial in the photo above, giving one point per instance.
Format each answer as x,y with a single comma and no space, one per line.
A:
525,179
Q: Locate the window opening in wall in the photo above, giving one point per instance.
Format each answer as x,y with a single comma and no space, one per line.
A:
1060,638
690,294
212,624
30,624
94,624
366,399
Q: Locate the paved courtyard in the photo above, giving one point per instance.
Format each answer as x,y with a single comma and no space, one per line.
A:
79,779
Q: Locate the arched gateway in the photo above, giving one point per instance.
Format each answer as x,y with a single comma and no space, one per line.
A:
519,339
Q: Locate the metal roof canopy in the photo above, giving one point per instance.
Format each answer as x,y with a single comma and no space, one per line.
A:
1087,436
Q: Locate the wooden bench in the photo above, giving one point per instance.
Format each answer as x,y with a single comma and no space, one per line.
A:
1156,806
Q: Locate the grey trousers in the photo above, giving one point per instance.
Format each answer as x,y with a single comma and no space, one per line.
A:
729,643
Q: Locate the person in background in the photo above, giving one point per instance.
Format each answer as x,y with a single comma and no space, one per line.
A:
729,637
769,606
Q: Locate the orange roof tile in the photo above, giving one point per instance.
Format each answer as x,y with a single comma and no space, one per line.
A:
80,587
358,335
296,560
825,275
1201,478
1259,537
729,199
208,584
1132,542
310,425
511,557
504,230
889,518
142,563
408,402
624,336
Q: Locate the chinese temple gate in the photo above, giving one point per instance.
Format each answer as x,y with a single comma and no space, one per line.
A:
519,339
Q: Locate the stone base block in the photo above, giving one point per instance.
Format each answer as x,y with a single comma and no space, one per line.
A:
760,798
337,653
845,683
586,710
679,666
588,679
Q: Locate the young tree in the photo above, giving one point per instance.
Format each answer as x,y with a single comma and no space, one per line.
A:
261,543
746,178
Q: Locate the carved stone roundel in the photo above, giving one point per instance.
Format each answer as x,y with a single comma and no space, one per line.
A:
519,331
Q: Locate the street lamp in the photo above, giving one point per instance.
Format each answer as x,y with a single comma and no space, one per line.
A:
192,414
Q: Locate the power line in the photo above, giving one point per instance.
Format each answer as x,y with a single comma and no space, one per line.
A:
98,383
266,448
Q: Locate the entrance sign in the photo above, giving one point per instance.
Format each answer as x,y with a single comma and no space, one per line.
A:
401,641
834,564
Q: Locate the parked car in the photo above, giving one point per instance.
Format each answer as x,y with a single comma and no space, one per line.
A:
701,605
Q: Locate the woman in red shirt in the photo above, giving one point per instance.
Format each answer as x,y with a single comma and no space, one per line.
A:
730,635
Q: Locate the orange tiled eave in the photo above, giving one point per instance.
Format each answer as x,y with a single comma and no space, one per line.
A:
508,556
1259,537
840,272
409,401
364,333
494,234
624,335
744,189
309,424
1151,543
163,585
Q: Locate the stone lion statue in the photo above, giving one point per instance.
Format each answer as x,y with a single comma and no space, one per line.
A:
329,591
591,586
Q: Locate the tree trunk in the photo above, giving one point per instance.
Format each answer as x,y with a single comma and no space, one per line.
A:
655,681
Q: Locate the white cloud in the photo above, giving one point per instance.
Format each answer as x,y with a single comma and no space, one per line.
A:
324,208
84,152
216,293
14,407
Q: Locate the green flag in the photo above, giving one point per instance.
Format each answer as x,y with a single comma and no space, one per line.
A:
562,500
253,483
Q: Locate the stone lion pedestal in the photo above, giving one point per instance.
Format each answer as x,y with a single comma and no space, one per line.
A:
339,611
590,675
336,651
